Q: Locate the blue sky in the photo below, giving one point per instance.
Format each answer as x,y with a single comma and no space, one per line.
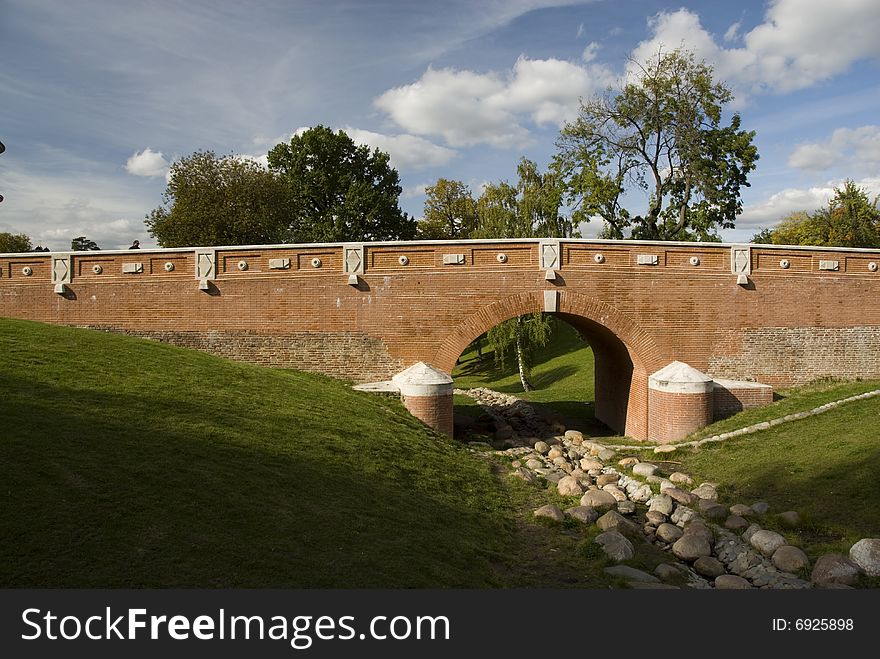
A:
98,97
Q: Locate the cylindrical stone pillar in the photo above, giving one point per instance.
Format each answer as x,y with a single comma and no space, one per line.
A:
427,394
679,402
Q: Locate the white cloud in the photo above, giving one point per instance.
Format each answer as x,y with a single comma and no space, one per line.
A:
55,208
859,147
405,150
590,51
770,211
732,32
147,163
414,191
467,108
799,43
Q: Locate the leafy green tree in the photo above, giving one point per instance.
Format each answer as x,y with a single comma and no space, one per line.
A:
662,133
851,219
14,242
450,211
83,244
211,200
339,191
528,210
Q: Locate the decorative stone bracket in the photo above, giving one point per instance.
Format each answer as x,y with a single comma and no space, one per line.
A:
741,264
62,271
206,260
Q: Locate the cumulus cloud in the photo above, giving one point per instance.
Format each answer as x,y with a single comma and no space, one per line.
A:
858,147
770,211
467,108
799,43
147,163
406,151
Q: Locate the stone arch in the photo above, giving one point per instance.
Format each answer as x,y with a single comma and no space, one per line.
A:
624,352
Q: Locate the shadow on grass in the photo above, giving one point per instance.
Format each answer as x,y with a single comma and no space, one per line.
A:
104,489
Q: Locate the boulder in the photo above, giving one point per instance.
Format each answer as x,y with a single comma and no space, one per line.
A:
680,496
680,478
615,546
591,464
576,437
866,554
709,567
767,542
731,582
706,491
669,533
655,518
542,447
736,523
631,574
583,514
599,499
628,462
662,503
569,487
790,559
614,520
607,479
644,469
551,512
626,507
741,510
699,529
834,569
691,547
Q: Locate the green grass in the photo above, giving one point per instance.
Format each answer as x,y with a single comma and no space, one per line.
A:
796,399
825,467
562,377
129,463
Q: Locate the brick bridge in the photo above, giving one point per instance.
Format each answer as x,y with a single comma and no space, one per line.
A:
364,312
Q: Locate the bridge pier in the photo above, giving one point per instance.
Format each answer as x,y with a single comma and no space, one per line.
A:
427,394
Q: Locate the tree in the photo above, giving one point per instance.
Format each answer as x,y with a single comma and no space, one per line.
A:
14,242
450,211
528,210
211,200
83,244
851,219
339,191
663,134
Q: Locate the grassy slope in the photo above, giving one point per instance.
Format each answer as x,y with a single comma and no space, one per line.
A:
131,463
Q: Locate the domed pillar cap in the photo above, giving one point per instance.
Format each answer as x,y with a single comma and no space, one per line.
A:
680,378
421,379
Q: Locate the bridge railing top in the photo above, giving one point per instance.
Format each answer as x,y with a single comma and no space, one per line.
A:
449,243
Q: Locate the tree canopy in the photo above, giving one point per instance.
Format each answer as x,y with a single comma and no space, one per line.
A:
338,191
211,200
14,242
450,211
851,219
83,244
662,134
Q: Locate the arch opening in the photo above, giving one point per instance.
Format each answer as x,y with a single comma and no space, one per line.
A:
622,353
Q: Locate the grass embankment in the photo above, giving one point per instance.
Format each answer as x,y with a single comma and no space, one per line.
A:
128,463
562,377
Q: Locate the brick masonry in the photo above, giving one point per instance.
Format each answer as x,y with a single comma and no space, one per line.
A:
676,415
434,411
782,326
